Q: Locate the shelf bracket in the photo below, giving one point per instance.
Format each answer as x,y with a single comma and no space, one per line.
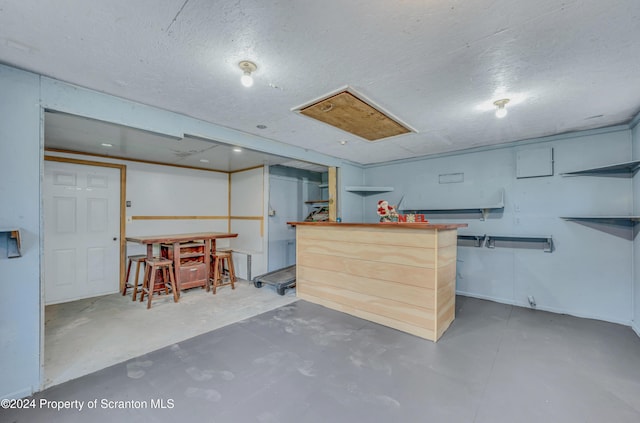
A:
545,241
478,240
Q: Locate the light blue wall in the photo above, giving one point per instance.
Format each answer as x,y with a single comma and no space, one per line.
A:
590,272
288,190
24,96
636,244
20,208
350,205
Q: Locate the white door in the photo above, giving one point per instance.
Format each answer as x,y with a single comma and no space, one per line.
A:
81,231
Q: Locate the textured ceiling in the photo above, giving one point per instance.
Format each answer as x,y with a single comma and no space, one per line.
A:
435,65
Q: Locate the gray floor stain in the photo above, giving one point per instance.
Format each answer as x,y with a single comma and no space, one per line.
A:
268,417
272,359
181,354
226,375
199,375
292,330
386,401
306,368
356,361
74,325
207,394
135,369
331,337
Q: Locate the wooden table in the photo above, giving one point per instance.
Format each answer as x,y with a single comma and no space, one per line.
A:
188,274
401,275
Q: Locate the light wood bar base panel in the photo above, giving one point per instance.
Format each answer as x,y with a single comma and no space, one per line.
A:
398,275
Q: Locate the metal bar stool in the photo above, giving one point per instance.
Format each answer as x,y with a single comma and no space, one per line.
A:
222,275
139,259
157,283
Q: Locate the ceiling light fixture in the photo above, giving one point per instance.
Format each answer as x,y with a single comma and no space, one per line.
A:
247,68
237,149
106,144
501,110
204,161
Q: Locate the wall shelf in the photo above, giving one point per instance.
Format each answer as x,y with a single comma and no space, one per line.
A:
622,226
544,242
625,170
634,219
471,240
317,202
367,190
496,204
614,220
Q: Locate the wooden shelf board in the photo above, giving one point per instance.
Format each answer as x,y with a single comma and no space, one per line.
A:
191,255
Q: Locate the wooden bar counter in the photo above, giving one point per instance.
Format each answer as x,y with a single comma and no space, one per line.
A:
401,275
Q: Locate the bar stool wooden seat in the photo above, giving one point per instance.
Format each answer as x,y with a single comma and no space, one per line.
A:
154,283
139,259
222,270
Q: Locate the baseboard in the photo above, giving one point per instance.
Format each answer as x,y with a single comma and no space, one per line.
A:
23,393
550,309
486,297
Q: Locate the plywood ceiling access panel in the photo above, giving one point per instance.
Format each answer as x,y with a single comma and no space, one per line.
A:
347,112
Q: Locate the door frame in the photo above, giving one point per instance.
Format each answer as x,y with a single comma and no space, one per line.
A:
123,196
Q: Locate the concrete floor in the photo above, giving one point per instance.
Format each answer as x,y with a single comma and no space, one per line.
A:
304,363
88,335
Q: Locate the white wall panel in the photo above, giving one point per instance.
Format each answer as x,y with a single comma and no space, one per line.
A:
247,199
246,193
170,191
250,241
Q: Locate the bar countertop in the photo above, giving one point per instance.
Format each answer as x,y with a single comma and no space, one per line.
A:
409,225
